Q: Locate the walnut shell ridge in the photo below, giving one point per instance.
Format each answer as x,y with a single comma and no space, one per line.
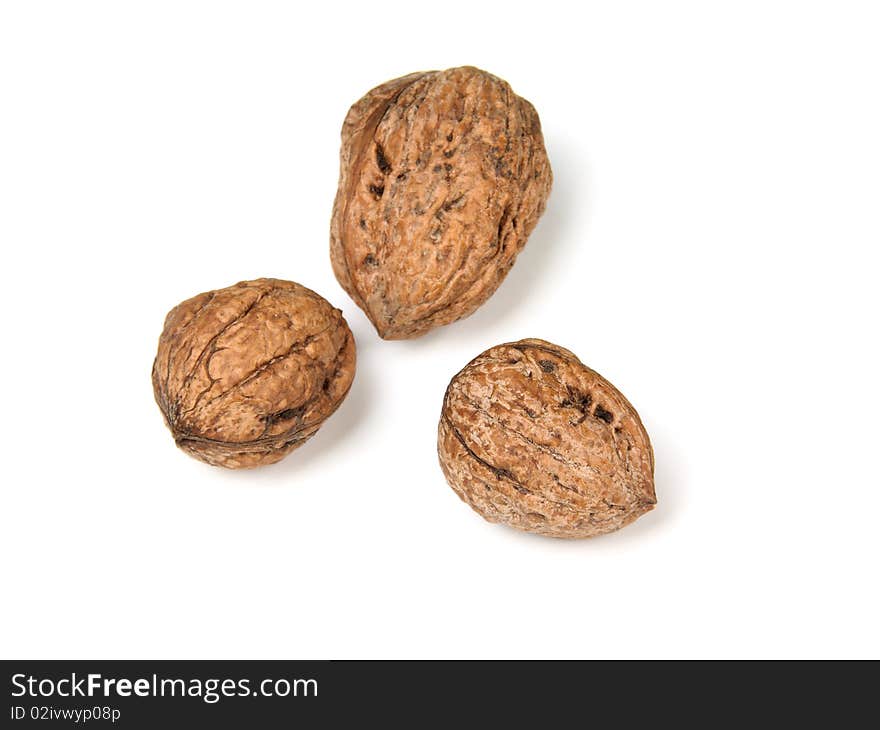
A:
246,374
443,175
532,438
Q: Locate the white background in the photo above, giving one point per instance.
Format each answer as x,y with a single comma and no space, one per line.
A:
710,246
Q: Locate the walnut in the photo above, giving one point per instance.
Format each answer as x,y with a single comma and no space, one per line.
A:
245,375
443,176
532,438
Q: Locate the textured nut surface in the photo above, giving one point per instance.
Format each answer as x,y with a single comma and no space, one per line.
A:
244,375
443,176
532,438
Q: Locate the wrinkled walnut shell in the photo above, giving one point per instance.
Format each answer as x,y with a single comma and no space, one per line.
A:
245,375
532,438
443,176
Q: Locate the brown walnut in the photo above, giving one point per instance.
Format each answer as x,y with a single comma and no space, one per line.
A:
443,176
532,438
245,375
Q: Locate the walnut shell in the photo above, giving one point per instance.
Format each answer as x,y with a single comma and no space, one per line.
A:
245,375
532,438
443,175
